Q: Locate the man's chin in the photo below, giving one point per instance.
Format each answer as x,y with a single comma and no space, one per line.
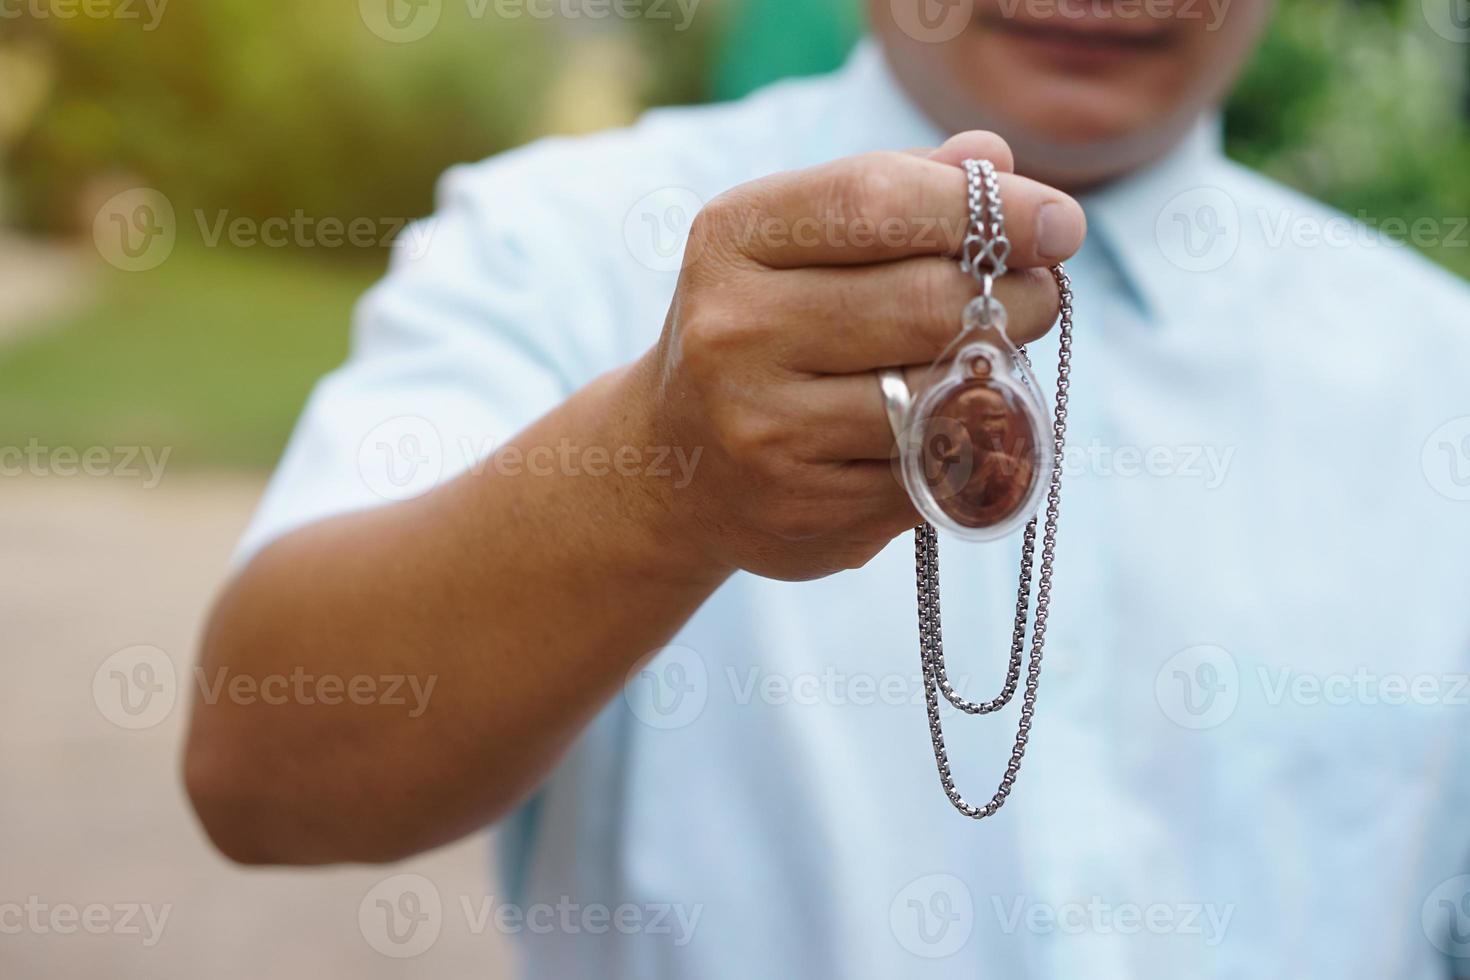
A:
1074,150
1064,110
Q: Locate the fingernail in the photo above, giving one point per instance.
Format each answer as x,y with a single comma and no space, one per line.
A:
1056,231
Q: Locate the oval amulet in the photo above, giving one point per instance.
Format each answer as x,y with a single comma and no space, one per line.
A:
975,460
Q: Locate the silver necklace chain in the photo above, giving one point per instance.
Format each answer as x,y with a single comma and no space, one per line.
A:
984,255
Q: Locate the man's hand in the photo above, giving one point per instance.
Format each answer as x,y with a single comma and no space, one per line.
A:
795,289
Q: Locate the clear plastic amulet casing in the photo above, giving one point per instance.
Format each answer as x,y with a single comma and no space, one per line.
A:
975,456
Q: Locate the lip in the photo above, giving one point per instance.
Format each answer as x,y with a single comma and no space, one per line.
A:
1084,32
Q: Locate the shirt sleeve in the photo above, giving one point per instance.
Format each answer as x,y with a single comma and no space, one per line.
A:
453,352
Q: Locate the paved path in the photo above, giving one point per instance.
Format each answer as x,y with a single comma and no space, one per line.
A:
39,283
92,814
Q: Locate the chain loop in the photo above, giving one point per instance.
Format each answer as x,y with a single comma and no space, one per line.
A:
985,250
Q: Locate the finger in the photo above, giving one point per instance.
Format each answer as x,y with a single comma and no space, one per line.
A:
975,144
872,497
882,507
885,206
844,418
866,317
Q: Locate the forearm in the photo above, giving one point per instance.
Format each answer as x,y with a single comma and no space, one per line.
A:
523,600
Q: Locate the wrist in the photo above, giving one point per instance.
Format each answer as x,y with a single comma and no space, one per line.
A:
653,507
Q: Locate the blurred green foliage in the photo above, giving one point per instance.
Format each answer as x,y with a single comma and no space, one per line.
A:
1363,106
236,105
264,111
766,40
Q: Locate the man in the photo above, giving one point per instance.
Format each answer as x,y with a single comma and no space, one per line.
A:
556,451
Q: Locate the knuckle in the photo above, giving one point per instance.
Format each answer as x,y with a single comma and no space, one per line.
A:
935,295
711,220
715,230
756,442
709,339
700,342
865,190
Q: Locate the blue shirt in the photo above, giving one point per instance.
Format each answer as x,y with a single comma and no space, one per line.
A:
1249,750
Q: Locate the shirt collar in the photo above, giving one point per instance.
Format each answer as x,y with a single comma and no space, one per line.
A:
1128,219
1123,216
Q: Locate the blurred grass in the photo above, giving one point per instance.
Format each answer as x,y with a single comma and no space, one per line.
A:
212,354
